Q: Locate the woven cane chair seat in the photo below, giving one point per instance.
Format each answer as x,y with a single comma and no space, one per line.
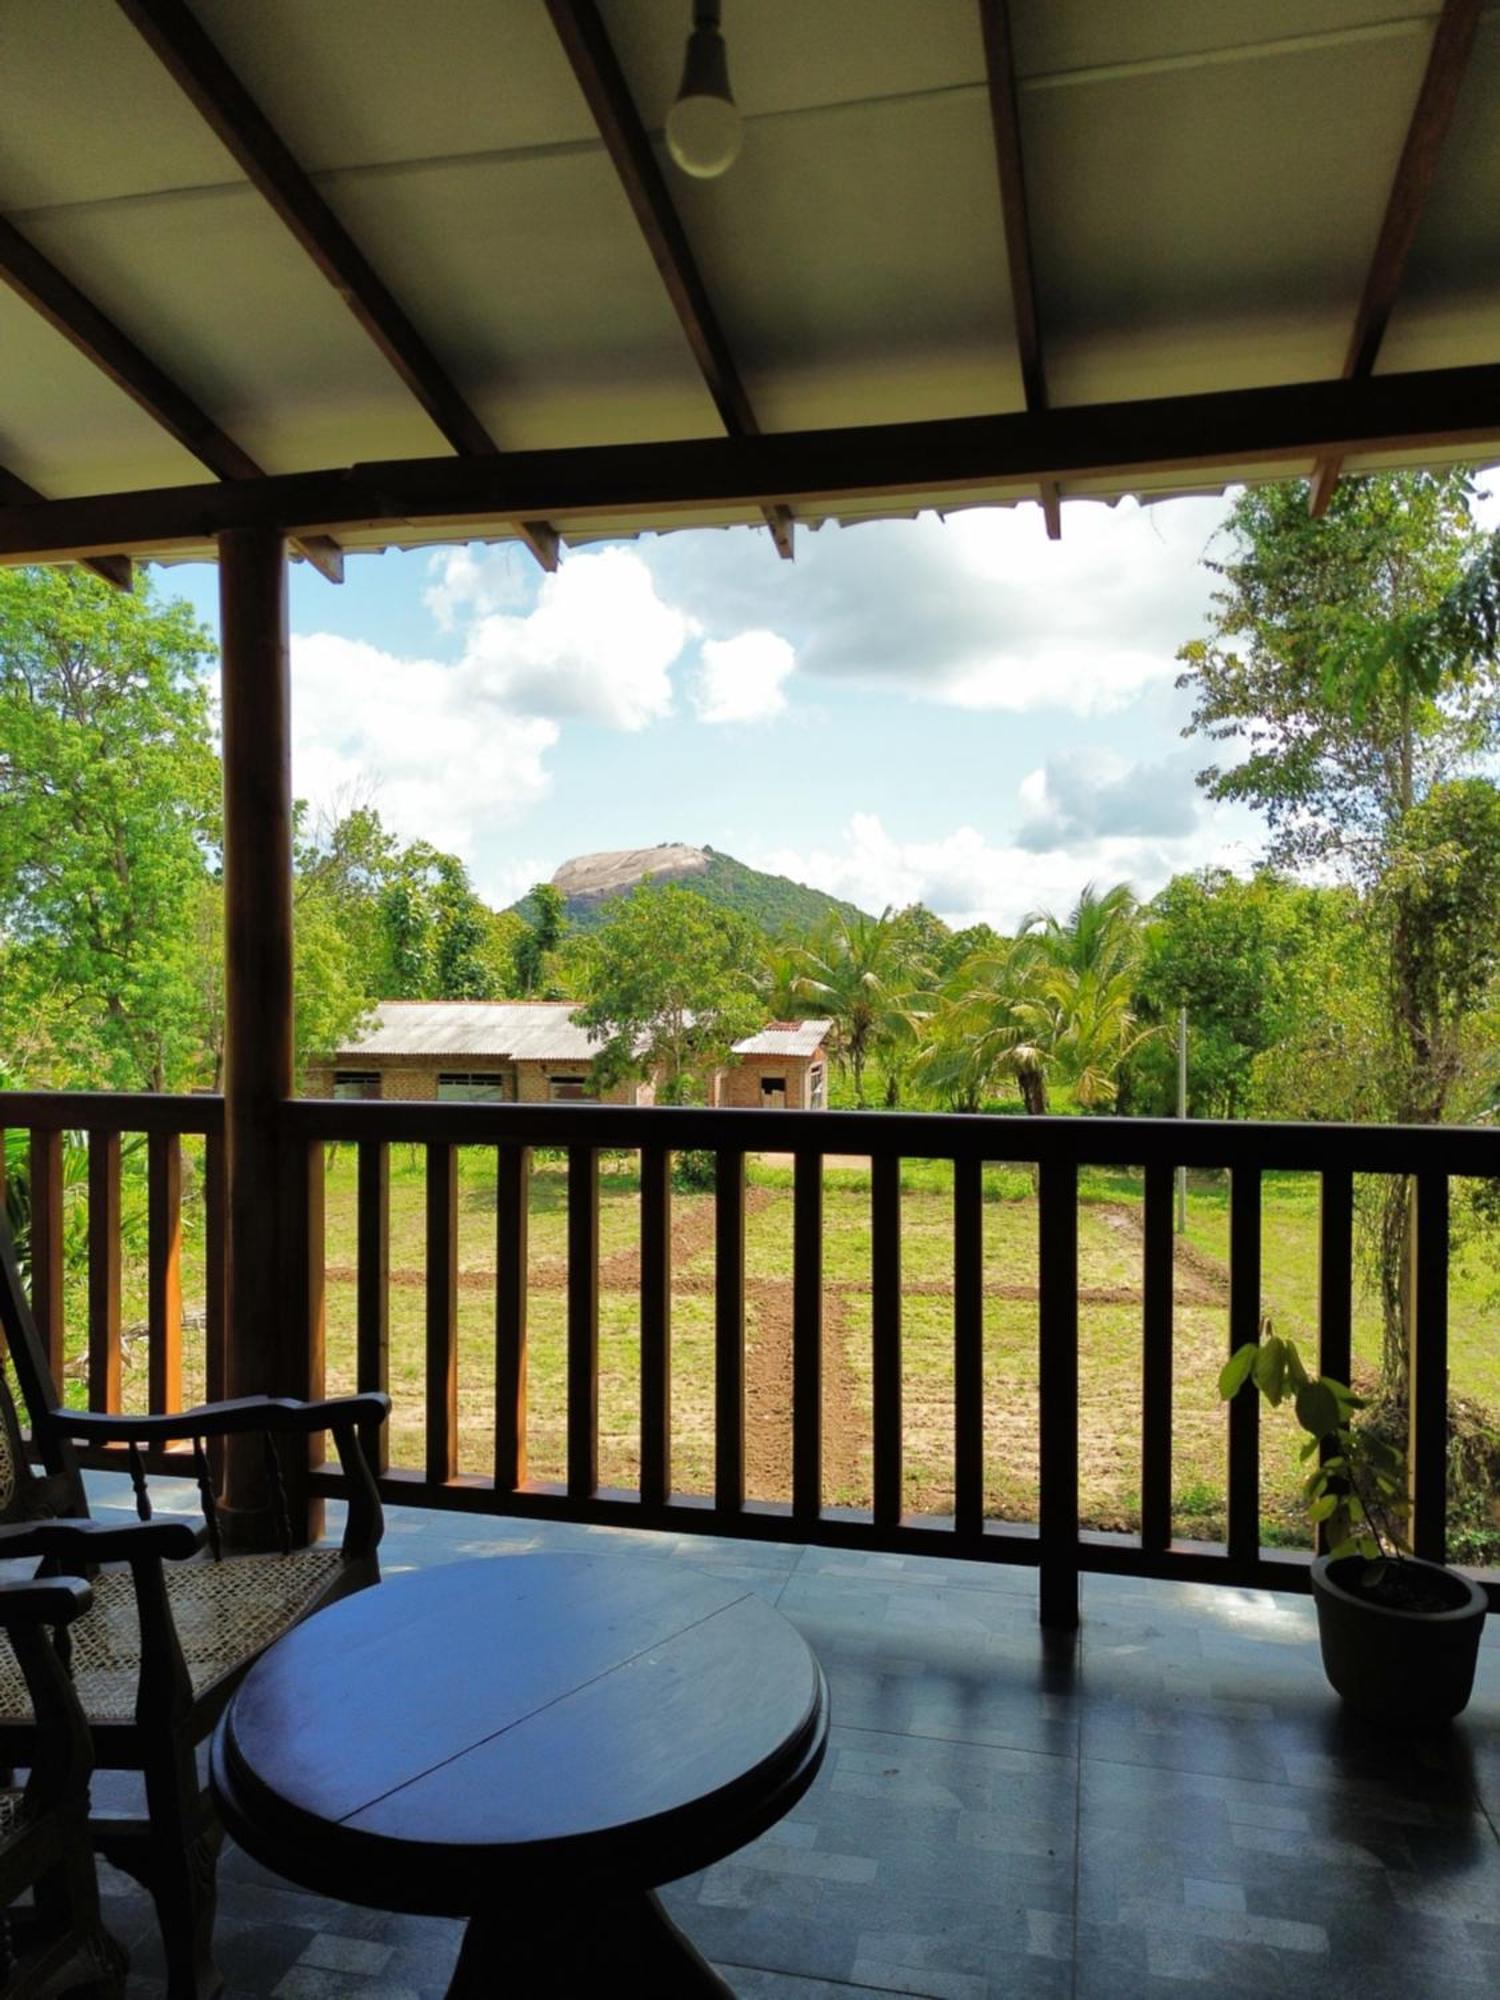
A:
12,1813
225,1613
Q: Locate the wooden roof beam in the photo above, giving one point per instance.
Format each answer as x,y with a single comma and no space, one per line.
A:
1449,413
116,570
588,48
37,280
1431,119
206,79
1005,121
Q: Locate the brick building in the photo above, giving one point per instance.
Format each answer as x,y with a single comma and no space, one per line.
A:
533,1052
785,1066
476,1051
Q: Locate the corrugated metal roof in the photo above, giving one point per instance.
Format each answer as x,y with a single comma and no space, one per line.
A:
786,1038
497,1030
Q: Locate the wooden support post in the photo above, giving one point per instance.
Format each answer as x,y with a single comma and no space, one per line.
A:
266,1348
104,1271
47,1247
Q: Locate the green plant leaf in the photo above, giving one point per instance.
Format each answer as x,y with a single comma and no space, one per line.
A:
1348,1547
1296,1374
1270,1368
1307,1450
1317,1409
1321,1509
1236,1370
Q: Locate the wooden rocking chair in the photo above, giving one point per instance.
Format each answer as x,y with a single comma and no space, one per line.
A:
174,1624
59,1945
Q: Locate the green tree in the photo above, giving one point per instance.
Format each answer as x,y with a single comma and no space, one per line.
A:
1349,660
1352,661
537,949
670,986
109,824
1243,957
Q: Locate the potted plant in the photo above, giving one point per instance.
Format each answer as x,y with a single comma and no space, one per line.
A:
1400,1636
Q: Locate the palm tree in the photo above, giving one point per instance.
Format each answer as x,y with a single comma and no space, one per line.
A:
992,1023
1100,935
854,974
1093,1029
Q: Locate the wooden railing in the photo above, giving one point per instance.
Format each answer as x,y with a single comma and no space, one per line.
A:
1057,1148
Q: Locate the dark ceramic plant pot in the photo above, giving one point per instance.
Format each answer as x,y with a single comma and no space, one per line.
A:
1410,1669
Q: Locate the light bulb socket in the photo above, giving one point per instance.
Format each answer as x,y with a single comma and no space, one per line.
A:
705,68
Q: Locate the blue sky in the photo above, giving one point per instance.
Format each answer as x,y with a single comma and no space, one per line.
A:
959,711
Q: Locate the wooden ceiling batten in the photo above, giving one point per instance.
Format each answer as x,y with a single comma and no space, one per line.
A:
194,63
1431,119
116,570
1005,120
588,48
1445,413
66,309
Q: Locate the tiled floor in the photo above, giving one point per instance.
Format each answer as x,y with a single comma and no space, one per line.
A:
1177,1808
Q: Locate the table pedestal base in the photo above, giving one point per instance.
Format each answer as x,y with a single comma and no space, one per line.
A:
624,1945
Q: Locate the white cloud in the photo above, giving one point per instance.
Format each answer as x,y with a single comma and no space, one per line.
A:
741,679
979,612
597,646
1088,792
443,759
967,879
475,580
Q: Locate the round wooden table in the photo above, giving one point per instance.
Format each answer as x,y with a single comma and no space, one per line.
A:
534,1743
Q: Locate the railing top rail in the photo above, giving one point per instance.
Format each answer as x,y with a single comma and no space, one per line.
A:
914,1135
110,1111
919,1135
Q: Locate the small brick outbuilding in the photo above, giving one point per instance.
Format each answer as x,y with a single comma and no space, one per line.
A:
784,1067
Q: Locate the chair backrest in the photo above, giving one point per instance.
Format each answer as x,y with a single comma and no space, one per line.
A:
28,1357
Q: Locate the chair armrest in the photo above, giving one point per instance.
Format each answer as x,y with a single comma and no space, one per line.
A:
208,1420
47,1600
100,1541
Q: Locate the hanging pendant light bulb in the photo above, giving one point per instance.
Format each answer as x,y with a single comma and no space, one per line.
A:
703,127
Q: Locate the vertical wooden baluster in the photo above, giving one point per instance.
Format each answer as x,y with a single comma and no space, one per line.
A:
214,1332
164,1269
968,1348
656,1325
2,1170
1335,1290
1156,1361
47,1248
583,1322
729,1333
1244,1325
442,1314
1057,1271
372,1302
807,1338
885,1321
512,1215
1428,1461
104,1271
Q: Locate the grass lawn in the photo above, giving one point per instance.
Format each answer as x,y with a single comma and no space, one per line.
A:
1109,1261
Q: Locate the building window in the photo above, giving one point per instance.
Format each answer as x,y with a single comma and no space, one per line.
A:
818,1092
466,1086
568,1089
356,1083
773,1091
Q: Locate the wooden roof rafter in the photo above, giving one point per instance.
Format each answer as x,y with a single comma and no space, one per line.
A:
1005,119
116,570
586,43
1431,119
71,313
1450,413
195,64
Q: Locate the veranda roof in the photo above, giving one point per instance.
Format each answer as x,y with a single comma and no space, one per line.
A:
786,1038
1076,247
